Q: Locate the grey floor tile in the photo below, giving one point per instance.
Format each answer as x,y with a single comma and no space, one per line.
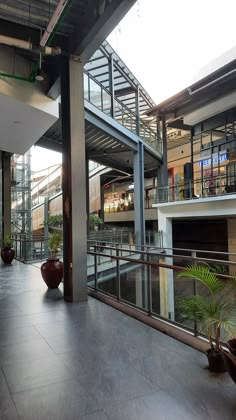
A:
158,406
18,335
66,400
10,311
75,361
23,376
194,386
98,415
117,382
44,317
30,350
13,323
7,406
71,341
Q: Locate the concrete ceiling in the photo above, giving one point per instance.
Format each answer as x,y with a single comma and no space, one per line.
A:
26,114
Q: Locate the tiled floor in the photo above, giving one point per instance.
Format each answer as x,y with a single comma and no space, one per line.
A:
88,361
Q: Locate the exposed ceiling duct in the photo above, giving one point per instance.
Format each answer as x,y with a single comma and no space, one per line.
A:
27,45
53,22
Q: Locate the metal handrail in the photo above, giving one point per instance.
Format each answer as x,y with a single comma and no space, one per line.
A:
145,261
141,123
162,254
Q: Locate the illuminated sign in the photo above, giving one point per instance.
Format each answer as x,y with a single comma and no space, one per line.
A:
214,159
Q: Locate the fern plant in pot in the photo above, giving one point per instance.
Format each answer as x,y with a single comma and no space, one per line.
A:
7,251
52,269
214,310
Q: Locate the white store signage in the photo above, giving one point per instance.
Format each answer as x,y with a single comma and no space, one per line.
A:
216,158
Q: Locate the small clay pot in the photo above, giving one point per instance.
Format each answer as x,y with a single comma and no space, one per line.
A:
52,272
7,254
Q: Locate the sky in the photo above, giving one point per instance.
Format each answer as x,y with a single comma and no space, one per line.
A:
166,43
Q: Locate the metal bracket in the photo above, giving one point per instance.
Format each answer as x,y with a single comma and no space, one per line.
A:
77,58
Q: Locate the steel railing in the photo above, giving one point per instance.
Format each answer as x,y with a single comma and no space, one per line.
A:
98,95
199,188
137,277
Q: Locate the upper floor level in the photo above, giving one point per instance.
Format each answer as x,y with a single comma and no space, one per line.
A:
200,138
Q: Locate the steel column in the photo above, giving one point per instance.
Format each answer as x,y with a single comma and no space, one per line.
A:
6,193
163,171
139,215
87,195
137,111
45,228
111,85
74,181
102,199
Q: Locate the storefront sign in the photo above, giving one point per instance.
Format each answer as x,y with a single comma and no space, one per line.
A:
216,158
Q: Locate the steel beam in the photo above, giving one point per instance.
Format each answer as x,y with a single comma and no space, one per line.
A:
107,21
74,181
110,126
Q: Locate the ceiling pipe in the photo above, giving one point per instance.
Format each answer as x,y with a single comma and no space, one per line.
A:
53,21
27,45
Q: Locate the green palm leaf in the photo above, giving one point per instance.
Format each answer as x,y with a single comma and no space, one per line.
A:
215,312
204,276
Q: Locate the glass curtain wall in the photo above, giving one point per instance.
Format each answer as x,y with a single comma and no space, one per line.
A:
214,158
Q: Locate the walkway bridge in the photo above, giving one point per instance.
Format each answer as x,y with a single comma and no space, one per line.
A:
115,106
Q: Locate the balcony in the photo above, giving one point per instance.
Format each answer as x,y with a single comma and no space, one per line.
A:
205,188
92,362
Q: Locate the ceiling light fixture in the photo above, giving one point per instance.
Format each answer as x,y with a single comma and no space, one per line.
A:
39,75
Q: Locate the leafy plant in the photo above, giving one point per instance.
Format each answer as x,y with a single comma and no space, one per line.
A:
215,312
54,221
54,242
94,220
7,241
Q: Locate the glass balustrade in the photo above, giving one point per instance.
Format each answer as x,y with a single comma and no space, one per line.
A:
100,97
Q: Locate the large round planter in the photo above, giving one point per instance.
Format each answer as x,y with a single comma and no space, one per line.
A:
52,272
216,361
230,364
231,344
7,255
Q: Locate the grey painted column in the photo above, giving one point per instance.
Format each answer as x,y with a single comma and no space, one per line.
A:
163,170
87,195
102,213
74,181
45,229
137,111
111,85
139,215
6,193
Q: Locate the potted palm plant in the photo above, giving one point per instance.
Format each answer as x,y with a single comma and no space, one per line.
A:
52,269
214,310
230,358
7,251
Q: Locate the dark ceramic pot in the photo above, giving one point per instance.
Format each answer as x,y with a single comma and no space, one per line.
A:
230,364
231,344
216,361
7,255
52,272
